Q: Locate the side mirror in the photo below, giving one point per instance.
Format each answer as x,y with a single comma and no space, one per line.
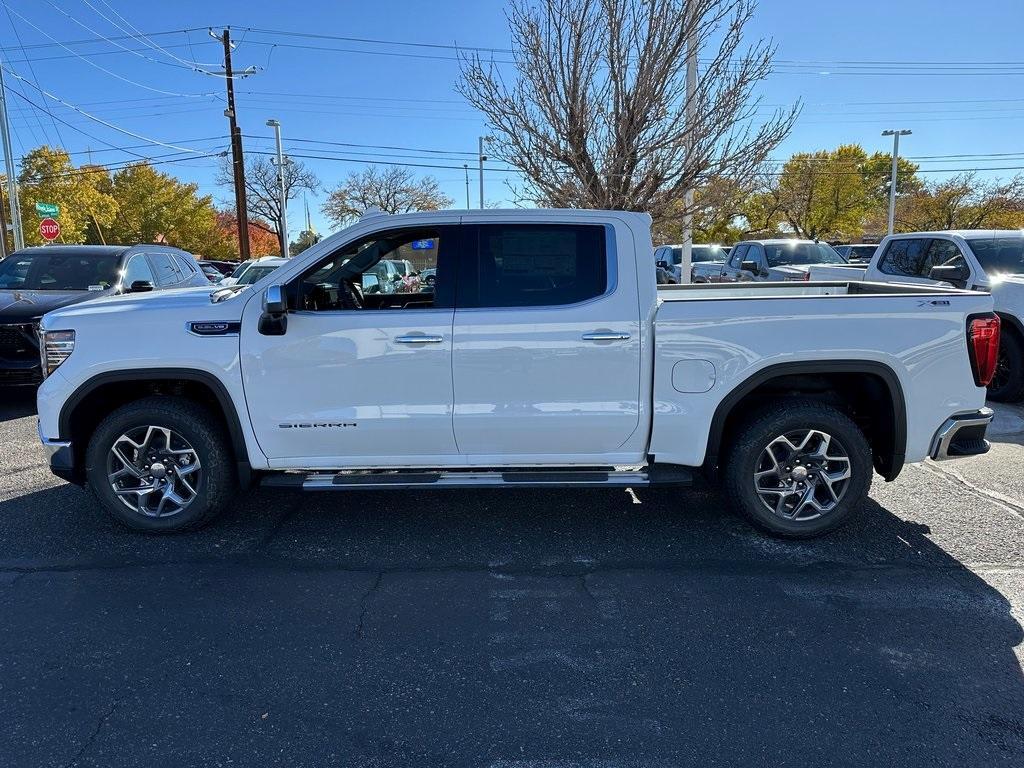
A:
663,264
751,266
274,320
955,274
140,286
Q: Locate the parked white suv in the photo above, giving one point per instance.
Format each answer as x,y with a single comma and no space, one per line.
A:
977,259
545,356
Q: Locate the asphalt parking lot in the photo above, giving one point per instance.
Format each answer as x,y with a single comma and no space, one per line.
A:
517,629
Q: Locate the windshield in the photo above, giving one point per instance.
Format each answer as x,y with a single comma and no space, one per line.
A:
999,255
59,272
240,269
700,253
861,252
254,273
786,254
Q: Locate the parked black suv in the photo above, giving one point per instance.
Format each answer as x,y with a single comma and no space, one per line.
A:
35,280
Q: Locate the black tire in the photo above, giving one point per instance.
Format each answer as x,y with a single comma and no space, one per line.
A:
747,456
1008,384
192,422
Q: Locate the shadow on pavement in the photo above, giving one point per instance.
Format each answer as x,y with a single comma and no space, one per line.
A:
1008,424
17,402
518,628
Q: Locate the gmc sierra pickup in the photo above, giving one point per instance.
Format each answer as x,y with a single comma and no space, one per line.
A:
544,355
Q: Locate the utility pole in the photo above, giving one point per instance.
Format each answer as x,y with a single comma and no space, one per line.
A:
3,232
465,167
895,167
688,196
237,159
282,225
12,182
481,158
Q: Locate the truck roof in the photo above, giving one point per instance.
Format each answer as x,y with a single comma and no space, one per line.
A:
967,233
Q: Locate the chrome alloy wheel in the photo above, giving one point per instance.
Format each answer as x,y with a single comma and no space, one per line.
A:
802,475
154,471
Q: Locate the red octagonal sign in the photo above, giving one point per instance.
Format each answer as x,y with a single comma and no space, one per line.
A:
49,229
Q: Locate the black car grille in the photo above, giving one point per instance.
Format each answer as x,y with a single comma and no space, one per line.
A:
18,342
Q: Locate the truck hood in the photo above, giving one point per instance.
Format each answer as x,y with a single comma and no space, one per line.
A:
27,306
190,301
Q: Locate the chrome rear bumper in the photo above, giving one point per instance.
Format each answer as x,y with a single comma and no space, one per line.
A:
962,435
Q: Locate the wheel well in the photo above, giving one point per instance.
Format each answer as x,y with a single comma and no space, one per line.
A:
1011,324
97,398
873,399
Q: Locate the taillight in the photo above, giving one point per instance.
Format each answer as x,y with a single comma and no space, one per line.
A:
807,275
983,346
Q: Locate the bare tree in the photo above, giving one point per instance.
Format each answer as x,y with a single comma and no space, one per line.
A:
392,190
263,190
963,201
596,115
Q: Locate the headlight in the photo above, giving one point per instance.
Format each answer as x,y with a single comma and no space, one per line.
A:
56,347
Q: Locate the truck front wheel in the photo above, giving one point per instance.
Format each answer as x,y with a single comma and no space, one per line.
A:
798,469
160,465
1008,383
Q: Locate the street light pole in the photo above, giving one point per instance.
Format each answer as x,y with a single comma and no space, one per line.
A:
480,159
895,167
688,195
282,225
12,182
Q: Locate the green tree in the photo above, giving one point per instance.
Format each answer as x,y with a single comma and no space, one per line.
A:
304,241
47,176
830,194
963,202
155,207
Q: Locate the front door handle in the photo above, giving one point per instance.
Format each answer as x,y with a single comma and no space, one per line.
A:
605,336
419,339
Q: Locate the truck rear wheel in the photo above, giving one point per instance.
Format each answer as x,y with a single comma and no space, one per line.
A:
160,465
1008,383
798,469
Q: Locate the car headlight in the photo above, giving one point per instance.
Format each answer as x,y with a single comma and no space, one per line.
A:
55,348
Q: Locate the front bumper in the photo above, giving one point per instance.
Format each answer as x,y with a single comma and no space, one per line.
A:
61,457
962,435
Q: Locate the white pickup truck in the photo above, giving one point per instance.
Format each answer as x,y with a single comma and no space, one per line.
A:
982,260
543,355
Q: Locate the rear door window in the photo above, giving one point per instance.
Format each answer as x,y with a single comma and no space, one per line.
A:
165,269
534,265
739,253
905,257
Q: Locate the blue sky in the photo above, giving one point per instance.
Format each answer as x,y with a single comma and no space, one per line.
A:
402,96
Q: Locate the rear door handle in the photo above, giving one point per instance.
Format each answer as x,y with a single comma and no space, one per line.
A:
606,336
419,339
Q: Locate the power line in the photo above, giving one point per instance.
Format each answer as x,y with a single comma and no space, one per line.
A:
376,146
97,66
35,78
97,168
69,125
194,65
93,117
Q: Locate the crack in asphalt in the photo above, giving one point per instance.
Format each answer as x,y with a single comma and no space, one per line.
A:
364,604
569,571
1009,504
95,732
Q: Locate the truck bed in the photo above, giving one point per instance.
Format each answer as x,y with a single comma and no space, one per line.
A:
710,339
756,290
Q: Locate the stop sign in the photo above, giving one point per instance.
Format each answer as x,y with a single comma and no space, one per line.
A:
49,229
